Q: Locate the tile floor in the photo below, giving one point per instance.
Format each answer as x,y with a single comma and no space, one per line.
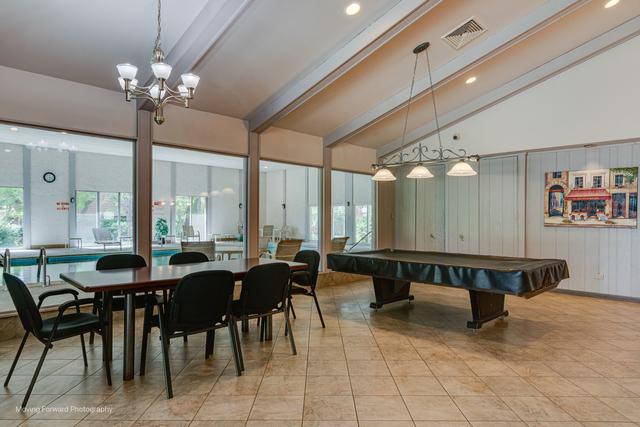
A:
557,360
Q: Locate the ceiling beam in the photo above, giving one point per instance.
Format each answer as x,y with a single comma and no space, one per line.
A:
204,33
397,19
480,52
552,68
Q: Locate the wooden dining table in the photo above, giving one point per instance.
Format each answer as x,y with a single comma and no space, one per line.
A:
130,281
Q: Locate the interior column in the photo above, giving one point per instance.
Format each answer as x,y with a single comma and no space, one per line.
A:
142,172
253,196
325,231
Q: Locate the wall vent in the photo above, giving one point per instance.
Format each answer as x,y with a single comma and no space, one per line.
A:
464,33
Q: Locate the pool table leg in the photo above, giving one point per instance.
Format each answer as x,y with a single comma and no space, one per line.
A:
390,290
485,307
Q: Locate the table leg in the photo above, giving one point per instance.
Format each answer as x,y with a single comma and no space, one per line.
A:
390,290
485,307
269,333
128,361
107,300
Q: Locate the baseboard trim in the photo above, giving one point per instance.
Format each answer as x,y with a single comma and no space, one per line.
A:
597,295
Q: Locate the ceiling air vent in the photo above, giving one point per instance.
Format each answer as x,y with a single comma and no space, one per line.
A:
464,33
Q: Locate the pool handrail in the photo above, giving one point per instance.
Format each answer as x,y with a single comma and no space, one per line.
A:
42,264
6,263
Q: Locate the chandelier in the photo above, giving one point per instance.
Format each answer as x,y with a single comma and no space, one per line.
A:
159,93
421,154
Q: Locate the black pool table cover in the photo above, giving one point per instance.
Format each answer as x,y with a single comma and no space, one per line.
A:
524,277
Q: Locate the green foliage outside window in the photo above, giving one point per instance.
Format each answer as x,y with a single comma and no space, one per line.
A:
11,216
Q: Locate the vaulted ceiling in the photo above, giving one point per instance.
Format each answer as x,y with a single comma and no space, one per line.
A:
308,67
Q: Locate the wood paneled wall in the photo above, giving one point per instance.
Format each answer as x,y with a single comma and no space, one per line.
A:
501,212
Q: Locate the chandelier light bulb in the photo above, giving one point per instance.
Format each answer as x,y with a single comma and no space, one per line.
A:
190,80
156,93
420,172
462,168
161,70
383,174
184,92
132,84
127,71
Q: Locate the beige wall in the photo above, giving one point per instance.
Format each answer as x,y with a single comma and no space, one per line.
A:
289,146
353,158
46,101
201,130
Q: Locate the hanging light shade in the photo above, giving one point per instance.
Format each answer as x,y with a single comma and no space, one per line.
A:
383,174
462,168
420,172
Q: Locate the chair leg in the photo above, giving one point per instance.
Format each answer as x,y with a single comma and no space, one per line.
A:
15,361
35,375
107,362
165,358
92,334
288,326
146,329
291,306
208,349
315,298
234,347
185,339
84,351
238,345
262,330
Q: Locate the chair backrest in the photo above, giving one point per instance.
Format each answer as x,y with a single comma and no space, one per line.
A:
188,231
312,259
267,231
102,234
24,303
207,247
264,288
287,249
200,300
187,258
338,244
117,261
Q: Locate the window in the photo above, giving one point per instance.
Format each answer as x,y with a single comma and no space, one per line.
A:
579,182
197,195
597,181
11,217
619,180
104,210
557,175
352,197
289,204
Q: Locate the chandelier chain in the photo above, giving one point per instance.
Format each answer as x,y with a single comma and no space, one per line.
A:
433,99
159,27
406,116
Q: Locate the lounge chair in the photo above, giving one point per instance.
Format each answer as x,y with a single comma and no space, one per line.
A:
208,248
104,237
189,233
338,244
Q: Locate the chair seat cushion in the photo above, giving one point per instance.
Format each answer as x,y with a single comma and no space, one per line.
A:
301,278
71,324
297,290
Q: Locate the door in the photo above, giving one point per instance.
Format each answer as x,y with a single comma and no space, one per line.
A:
430,228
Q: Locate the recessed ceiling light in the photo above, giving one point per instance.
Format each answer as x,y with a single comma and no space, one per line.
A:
7,150
63,132
471,79
611,3
354,8
13,129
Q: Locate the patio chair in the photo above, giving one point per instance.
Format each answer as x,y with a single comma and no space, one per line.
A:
104,237
208,248
189,233
267,231
338,244
287,249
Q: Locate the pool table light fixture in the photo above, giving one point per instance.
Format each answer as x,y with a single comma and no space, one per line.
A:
421,153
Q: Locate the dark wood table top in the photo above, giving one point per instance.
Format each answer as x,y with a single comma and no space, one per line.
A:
166,276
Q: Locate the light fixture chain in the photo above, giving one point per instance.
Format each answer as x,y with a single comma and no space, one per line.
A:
159,17
433,99
406,116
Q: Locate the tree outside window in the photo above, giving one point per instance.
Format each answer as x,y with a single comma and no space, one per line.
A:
11,217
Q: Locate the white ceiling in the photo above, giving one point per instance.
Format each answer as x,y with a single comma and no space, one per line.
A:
272,43
83,40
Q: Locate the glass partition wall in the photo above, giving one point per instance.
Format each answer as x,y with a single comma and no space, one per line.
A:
68,193
289,205
197,197
352,210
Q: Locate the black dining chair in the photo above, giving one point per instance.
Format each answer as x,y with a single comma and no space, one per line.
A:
53,329
304,282
116,262
265,291
201,302
187,258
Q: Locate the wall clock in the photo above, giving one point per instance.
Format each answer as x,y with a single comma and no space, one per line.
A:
49,177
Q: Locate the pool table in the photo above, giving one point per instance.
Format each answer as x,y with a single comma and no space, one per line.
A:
487,278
